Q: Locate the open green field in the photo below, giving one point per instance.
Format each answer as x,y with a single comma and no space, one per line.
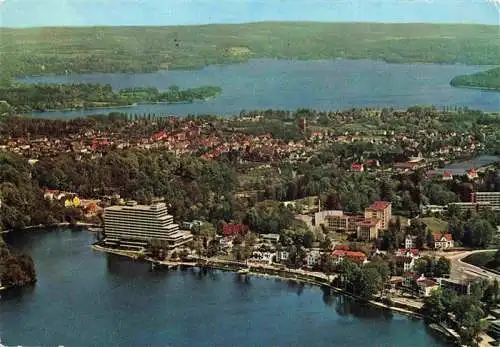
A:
435,224
131,49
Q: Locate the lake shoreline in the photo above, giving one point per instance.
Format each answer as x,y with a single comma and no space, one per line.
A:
48,226
258,270
323,85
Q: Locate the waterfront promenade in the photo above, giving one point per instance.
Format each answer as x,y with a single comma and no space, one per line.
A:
311,277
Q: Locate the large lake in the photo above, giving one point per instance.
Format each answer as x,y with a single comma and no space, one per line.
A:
287,84
86,298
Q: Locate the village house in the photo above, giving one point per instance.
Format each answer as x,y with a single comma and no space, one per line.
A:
313,258
443,241
231,230
281,256
263,257
405,259
339,255
410,241
426,286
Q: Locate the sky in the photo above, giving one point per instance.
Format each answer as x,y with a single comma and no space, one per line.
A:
29,13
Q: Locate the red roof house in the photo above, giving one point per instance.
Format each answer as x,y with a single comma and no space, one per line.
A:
378,205
357,167
159,135
231,229
355,257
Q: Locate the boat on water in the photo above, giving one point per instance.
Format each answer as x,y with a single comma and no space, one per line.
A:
243,271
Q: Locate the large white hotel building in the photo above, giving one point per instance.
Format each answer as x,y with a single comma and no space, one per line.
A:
142,226
488,198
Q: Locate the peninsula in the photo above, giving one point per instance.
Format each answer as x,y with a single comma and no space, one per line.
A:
45,97
489,79
15,270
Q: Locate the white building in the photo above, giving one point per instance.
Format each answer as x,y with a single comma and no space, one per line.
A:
265,257
281,256
443,241
313,258
410,242
490,198
142,226
426,286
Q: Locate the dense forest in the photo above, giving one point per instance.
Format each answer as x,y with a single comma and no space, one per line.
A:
44,97
489,79
131,49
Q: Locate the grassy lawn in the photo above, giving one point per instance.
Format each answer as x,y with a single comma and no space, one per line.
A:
435,224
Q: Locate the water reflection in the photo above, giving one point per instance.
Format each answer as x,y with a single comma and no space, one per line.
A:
346,306
17,293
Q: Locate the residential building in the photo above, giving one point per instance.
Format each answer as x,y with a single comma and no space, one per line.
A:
142,226
490,198
447,176
472,173
443,241
313,258
410,241
368,229
281,256
339,255
231,229
380,210
272,238
426,286
357,167
405,259
433,209
264,257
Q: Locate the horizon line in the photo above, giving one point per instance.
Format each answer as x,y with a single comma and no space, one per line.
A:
241,23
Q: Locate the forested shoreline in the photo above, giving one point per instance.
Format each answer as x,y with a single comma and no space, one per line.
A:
489,79
146,49
47,97
15,270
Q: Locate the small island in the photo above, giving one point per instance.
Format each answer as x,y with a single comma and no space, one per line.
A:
489,79
50,97
15,270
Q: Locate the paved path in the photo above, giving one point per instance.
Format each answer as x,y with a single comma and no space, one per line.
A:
461,270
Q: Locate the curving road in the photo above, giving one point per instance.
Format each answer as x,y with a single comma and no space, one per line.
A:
461,270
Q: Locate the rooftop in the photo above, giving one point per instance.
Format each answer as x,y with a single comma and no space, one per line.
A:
137,207
379,205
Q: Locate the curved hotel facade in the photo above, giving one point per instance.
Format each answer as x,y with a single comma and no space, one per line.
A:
142,226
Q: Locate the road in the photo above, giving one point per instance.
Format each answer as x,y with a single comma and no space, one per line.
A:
461,270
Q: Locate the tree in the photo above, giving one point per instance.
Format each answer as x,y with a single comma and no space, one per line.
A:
442,267
370,282
481,233
434,308
430,239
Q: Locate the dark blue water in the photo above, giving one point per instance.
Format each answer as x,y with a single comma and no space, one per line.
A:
284,84
86,298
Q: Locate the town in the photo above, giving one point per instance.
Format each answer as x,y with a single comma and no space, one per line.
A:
385,205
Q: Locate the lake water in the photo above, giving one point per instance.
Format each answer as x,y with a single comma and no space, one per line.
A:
86,298
287,84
